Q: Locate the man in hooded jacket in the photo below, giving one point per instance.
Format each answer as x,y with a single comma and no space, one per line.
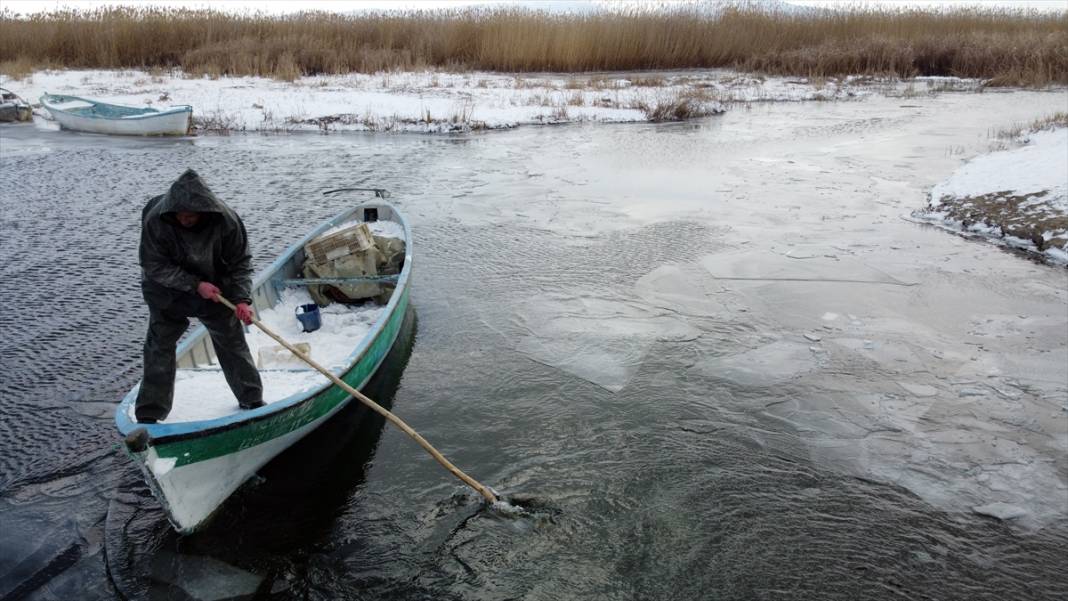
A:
193,248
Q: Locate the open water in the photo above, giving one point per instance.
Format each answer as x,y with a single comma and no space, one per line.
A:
712,358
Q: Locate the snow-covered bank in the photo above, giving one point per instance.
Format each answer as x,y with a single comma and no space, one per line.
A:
1016,197
442,102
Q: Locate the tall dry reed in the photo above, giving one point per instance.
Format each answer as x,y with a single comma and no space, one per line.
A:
1007,46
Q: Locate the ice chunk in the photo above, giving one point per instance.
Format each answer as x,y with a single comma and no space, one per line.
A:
679,289
891,353
204,578
795,253
599,340
918,390
769,364
608,363
761,267
1001,511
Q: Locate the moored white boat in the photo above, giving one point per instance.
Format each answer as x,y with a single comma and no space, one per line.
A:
194,463
82,114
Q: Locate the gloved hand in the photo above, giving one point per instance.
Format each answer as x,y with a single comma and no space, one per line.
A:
208,291
244,313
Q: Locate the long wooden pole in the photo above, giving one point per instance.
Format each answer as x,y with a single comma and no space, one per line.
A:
396,421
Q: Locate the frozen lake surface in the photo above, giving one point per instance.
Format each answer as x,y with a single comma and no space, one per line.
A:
715,355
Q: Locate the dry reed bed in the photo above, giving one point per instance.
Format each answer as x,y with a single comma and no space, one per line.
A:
1009,47
1019,130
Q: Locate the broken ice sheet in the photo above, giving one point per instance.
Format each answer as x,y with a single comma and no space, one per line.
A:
204,578
1001,511
769,364
609,364
602,341
939,452
764,266
918,390
891,353
679,288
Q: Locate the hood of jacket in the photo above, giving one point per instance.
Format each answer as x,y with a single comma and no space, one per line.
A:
189,193
214,250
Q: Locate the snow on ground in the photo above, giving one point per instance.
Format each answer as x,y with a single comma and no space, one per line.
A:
1037,166
434,102
1018,197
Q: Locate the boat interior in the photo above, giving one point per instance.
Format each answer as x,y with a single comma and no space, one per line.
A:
100,110
201,391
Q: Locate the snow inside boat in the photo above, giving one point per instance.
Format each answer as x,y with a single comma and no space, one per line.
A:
207,447
82,114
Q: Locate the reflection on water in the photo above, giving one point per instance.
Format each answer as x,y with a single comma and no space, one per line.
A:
709,359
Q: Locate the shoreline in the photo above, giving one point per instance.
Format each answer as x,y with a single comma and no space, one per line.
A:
449,102
1015,197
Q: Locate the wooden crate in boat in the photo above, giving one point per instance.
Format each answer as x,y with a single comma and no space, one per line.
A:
351,240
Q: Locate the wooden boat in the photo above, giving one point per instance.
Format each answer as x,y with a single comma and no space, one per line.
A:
82,114
192,467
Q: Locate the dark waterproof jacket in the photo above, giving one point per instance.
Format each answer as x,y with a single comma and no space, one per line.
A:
179,258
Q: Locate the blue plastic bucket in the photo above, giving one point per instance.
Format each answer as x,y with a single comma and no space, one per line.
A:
308,315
